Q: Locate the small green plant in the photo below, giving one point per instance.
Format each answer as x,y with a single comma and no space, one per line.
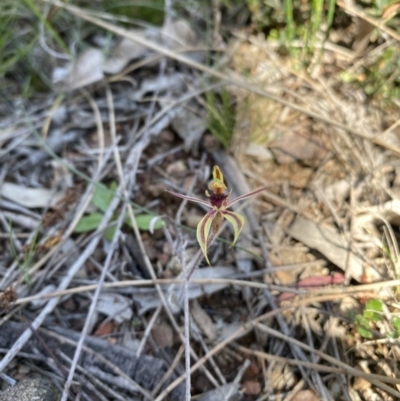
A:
149,11
372,314
395,333
101,201
23,71
379,78
221,116
291,20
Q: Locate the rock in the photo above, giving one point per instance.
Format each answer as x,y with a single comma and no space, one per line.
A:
40,389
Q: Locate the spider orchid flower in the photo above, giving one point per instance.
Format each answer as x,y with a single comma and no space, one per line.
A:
218,202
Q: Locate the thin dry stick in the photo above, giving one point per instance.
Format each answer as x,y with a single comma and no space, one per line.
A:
216,14
187,273
331,293
99,125
187,337
284,360
147,332
170,370
186,306
238,377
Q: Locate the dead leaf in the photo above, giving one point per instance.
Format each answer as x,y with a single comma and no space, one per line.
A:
179,34
365,222
305,395
259,152
172,83
86,70
219,393
190,127
163,335
124,52
177,168
291,146
251,388
332,245
390,11
282,377
38,303
338,191
104,328
204,321
29,197
115,306
361,384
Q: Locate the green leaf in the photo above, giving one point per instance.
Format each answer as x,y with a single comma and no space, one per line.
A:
360,320
144,222
88,223
347,77
392,334
103,196
364,332
110,232
373,310
375,305
396,323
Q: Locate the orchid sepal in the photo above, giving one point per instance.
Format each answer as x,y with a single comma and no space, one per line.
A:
203,231
190,198
237,221
245,196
